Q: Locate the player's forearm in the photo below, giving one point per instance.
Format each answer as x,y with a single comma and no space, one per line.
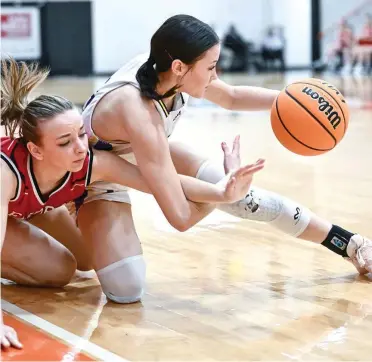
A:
195,190
247,98
201,191
127,174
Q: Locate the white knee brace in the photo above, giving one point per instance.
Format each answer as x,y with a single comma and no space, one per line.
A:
123,281
280,212
261,205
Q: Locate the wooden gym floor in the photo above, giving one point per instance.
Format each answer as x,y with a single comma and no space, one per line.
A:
228,289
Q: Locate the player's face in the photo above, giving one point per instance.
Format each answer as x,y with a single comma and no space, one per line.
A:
64,142
202,73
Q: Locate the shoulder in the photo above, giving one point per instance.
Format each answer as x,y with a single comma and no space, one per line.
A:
125,97
9,179
15,154
127,103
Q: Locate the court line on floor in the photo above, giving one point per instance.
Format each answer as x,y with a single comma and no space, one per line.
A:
70,338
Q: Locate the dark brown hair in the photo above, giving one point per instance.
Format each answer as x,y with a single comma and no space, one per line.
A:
180,37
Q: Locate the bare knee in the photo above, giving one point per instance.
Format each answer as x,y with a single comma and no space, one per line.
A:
63,272
54,273
30,256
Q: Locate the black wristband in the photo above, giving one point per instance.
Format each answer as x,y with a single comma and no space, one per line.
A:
337,240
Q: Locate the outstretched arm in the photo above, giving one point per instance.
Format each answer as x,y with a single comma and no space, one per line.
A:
8,336
240,98
144,128
111,168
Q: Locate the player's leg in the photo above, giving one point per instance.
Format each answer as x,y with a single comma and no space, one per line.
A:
32,257
284,214
109,231
59,224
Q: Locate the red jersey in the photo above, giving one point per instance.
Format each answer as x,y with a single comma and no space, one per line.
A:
345,38
28,200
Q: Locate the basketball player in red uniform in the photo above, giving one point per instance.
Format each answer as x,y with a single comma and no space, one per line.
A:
49,165
345,45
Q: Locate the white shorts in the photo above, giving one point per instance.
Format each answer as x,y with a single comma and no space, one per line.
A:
107,191
101,190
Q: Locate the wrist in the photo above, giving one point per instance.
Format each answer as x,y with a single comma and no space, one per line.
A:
222,183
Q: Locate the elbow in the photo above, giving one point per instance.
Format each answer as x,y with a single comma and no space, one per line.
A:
181,223
181,226
184,227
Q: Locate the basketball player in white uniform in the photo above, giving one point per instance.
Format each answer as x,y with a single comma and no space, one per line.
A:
133,115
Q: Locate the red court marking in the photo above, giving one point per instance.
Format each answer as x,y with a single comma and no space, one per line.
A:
37,345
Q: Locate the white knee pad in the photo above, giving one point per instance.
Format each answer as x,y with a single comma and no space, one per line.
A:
261,205
124,280
210,172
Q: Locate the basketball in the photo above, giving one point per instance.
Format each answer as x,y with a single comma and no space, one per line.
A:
310,117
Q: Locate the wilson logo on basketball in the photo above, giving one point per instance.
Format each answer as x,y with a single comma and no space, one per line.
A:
324,107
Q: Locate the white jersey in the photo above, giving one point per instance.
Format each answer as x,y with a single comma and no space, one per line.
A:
126,75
